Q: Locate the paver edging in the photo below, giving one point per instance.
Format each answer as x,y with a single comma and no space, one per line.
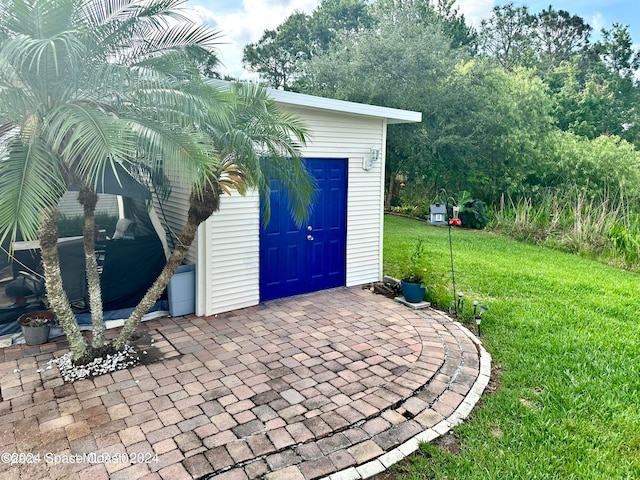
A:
380,463
407,448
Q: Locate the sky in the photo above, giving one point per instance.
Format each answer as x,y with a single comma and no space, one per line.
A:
244,21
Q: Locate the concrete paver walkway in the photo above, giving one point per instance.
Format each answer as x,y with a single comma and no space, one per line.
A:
338,384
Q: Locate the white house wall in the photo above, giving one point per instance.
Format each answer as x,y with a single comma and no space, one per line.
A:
229,263
69,206
173,216
229,253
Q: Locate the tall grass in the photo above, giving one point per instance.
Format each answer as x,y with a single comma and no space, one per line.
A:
604,226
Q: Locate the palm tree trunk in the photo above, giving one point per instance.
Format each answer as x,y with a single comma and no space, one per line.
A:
201,206
88,198
58,301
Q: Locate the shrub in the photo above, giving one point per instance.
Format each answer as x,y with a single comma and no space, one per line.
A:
72,226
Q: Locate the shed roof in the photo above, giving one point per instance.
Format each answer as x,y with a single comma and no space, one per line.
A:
393,115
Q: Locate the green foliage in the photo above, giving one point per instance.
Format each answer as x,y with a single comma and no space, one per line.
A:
606,227
506,36
416,270
76,99
116,85
564,339
72,226
607,162
615,49
280,56
492,123
473,214
558,36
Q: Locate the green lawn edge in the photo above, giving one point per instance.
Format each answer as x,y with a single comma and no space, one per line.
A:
564,332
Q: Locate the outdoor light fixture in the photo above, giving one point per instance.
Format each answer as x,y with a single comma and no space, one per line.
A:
477,314
368,163
460,304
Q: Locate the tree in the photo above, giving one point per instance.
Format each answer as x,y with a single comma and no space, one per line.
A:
442,13
606,163
590,108
97,85
455,26
260,144
400,64
615,50
559,36
481,124
334,20
280,55
506,36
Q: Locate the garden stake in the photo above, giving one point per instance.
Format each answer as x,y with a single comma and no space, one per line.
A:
453,277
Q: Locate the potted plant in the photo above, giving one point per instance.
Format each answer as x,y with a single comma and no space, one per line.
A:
412,282
35,326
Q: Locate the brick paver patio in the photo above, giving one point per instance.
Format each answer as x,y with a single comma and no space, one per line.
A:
338,384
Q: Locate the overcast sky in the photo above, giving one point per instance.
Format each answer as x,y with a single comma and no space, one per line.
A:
244,21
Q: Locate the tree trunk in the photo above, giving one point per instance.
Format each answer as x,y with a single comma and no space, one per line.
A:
56,295
201,206
88,198
392,182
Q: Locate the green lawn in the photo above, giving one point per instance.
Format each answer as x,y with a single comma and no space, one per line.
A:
565,334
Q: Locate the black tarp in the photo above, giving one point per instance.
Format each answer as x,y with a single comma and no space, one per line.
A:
130,268
130,265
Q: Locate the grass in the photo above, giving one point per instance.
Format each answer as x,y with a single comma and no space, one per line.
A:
565,333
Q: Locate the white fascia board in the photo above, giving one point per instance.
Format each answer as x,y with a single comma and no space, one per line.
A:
392,115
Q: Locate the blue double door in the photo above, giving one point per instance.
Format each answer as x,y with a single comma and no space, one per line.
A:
295,260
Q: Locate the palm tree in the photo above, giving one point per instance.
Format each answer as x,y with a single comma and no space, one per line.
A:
256,144
90,86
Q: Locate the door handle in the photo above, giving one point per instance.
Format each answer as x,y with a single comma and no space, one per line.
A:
309,228
309,237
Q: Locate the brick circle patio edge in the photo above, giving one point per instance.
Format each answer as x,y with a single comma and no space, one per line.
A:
383,462
422,423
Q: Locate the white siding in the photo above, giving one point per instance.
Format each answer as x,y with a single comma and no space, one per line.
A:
173,216
69,206
229,256
230,261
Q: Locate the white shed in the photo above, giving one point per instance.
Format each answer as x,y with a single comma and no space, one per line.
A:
240,264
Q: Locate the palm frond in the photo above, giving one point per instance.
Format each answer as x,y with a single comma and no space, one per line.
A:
185,157
298,186
38,18
87,138
30,181
264,144
174,38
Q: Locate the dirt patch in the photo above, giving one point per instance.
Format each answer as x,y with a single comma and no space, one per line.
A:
145,344
448,442
385,476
